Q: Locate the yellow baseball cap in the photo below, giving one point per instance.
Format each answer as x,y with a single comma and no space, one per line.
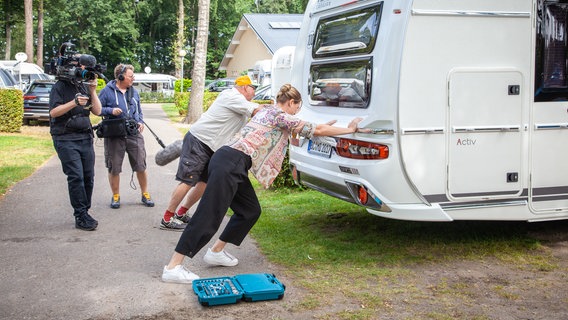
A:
244,81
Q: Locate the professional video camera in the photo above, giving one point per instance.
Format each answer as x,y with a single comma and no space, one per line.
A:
68,65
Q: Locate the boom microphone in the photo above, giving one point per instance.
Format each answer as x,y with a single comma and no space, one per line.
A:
168,154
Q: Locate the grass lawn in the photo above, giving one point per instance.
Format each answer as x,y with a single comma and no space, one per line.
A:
21,154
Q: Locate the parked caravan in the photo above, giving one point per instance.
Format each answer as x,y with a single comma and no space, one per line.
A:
154,82
25,72
467,102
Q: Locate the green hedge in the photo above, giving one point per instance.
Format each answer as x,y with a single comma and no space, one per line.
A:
186,85
11,110
156,97
181,101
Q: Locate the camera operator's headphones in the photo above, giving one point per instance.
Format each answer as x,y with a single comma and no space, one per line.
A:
121,74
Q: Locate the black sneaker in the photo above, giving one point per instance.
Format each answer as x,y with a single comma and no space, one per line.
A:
173,225
89,218
84,224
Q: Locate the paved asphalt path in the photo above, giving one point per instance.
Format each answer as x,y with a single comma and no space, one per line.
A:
51,270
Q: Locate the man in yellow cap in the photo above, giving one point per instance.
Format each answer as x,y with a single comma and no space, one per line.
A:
226,116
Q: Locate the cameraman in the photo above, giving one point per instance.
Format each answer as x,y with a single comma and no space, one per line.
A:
120,100
70,103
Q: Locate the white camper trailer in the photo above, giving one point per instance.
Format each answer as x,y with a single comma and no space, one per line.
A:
467,101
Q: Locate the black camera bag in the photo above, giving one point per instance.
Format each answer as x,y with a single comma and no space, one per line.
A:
112,128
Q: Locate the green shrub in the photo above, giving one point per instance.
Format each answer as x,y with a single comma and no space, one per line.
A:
263,101
186,85
100,84
208,99
156,97
11,110
181,100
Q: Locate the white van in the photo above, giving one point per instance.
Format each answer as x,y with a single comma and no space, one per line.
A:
467,101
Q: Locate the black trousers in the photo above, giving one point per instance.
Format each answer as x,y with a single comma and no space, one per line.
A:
78,163
228,186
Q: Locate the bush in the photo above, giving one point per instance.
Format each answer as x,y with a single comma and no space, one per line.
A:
264,101
186,85
11,110
156,97
181,100
208,99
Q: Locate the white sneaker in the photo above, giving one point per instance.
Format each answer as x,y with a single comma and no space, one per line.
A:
179,274
220,258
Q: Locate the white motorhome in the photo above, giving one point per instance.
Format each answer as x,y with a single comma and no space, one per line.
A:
467,101
25,72
154,82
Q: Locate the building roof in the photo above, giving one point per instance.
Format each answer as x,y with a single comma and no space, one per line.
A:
273,30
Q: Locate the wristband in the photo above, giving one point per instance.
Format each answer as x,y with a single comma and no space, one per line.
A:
86,106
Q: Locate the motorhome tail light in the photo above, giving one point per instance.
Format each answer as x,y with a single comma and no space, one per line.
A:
356,149
362,195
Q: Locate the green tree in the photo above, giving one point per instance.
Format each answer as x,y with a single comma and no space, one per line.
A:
157,26
12,15
105,29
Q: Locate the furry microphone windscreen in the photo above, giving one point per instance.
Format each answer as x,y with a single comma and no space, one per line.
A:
168,154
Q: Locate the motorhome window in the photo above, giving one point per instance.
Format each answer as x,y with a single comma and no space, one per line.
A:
551,74
348,33
343,84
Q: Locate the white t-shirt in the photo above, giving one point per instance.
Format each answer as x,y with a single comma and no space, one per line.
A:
225,118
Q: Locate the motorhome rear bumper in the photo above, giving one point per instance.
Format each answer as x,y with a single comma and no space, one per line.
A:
346,190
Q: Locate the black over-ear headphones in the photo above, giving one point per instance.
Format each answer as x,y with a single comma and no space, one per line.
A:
121,74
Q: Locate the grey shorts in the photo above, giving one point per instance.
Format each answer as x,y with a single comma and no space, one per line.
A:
193,161
115,148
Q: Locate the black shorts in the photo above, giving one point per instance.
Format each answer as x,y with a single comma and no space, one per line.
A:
193,161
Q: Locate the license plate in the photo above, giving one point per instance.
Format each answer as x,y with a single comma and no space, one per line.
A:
320,149
43,99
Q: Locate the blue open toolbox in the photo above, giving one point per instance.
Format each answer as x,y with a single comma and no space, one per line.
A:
248,287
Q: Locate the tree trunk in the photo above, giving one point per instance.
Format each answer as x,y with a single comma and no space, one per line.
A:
28,14
195,107
180,37
39,51
8,21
